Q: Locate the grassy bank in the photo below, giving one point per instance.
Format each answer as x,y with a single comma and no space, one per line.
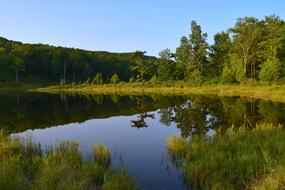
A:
19,86
24,166
236,160
273,93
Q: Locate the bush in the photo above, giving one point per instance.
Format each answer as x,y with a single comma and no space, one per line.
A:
270,71
154,79
132,79
196,78
88,81
98,79
228,74
114,79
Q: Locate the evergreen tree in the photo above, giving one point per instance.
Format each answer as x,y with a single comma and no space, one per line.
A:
166,67
98,79
114,79
220,54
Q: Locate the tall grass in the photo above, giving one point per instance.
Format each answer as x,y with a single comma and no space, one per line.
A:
274,92
102,154
24,166
236,160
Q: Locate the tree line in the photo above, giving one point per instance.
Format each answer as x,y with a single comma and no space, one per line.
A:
252,50
50,64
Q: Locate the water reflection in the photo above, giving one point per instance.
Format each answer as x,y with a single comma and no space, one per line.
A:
193,115
134,127
140,122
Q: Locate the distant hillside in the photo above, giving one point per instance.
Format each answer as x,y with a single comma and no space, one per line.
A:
38,63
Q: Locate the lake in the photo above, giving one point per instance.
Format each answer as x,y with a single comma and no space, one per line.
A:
135,128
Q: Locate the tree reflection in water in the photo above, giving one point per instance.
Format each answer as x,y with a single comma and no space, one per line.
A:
193,115
140,122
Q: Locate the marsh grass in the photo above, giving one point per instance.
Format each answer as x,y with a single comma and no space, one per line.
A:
238,159
119,180
265,92
102,155
177,147
24,166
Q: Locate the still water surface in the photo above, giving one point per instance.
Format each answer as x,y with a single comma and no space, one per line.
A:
135,128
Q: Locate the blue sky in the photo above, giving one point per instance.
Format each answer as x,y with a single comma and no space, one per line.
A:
123,25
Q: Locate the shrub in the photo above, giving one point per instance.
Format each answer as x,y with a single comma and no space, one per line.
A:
114,79
270,71
98,79
196,78
228,74
154,79
132,79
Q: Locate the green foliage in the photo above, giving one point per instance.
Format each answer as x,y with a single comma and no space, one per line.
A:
234,160
23,166
245,49
166,67
44,63
88,81
192,53
239,70
177,147
141,67
98,79
119,181
270,71
154,79
196,78
131,80
114,79
102,155
219,55
228,75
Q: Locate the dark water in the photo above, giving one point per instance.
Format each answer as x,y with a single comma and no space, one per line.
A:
135,128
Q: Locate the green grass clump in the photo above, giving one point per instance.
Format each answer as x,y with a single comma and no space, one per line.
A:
25,166
177,147
119,181
274,180
235,160
102,154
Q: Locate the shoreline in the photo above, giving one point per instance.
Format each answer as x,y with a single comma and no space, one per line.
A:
275,93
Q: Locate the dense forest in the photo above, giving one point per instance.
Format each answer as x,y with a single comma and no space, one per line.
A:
43,63
252,50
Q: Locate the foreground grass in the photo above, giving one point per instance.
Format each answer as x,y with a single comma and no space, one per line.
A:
273,93
24,166
236,160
